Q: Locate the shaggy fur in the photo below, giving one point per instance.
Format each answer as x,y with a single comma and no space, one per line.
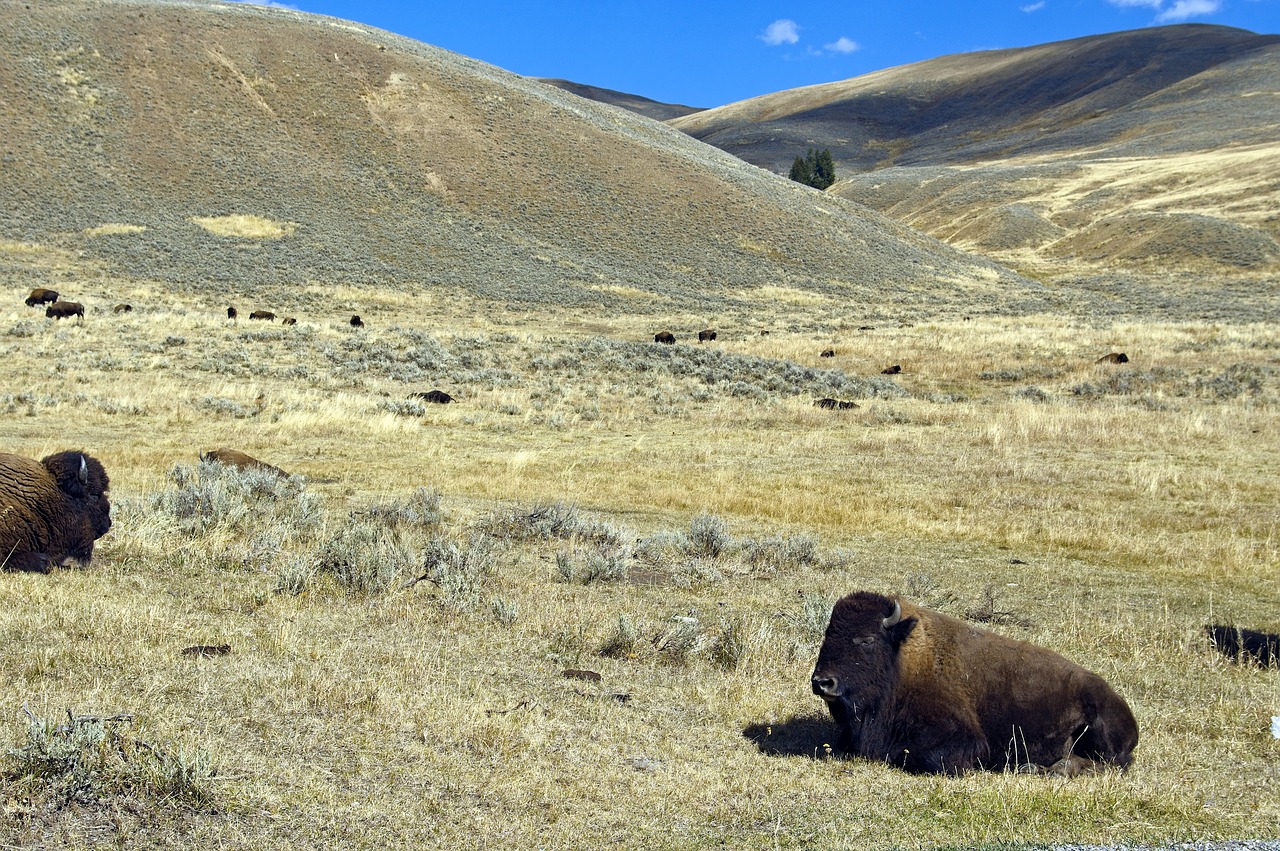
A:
51,511
62,309
931,693
41,296
1245,645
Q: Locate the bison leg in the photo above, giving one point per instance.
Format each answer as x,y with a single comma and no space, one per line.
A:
27,562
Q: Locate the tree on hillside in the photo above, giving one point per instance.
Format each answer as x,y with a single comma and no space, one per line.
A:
816,169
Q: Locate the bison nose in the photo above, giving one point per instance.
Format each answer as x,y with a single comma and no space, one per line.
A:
825,686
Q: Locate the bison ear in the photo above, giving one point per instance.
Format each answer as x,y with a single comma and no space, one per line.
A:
899,631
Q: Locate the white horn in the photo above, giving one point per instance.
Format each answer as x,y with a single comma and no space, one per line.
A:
893,618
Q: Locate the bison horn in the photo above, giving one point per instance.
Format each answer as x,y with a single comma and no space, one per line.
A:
84,471
893,619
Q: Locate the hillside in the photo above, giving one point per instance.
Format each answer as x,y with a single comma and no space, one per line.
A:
635,103
231,148
1151,151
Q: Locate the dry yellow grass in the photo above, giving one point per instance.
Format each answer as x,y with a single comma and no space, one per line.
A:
245,226
1115,509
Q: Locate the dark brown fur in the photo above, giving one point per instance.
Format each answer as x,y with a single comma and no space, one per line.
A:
52,510
892,370
664,337
41,296
239,460
436,397
357,322
122,308
289,320
1113,357
827,353
835,404
231,313
707,335
934,694
1245,645
263,314
60,309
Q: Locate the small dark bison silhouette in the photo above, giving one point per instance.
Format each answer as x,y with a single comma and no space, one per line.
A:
892,370
266,315
52,510
41,296
239,460
933,694
62,309
122,308
664,337
706,336
1245,645
357,322
1113,357
436,397
289,320
827,353
231,313
835,404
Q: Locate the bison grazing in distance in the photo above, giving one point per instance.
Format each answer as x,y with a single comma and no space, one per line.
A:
828,353
707,336
289,320
1113,357
52,510
835,404
892,370
60,309
263,314
436,397
239,460
1245,645
41,296
357,322
122,308
232,314
664,337
932,694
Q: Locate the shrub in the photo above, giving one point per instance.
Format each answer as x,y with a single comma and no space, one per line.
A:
461,573
708,537
364,558
214,496
623,641
779,553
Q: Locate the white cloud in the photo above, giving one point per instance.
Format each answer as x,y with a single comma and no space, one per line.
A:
783,31
1183,9
1151,4
1033,7
843,45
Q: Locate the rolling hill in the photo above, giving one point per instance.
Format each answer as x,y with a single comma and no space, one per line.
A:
229,148
1151,151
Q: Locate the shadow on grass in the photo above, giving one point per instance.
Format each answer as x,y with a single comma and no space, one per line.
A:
812,736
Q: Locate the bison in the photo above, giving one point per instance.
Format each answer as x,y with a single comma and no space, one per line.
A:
263,314
239,460
892,370
932,694
232,314
707,336
357,322
827,353
51,510
1245,645
664,337
835,404
289,320
437,397
60,309
1113,357
122,308
41,296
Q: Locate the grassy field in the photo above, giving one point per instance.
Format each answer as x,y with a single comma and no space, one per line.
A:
399,617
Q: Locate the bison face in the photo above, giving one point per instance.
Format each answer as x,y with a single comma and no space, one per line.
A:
858,663
84,479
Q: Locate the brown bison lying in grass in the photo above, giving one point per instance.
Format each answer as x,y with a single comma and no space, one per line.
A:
52,510
239,460
1245,645
932,694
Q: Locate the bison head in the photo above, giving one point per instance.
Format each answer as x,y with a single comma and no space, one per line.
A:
84,479
858,663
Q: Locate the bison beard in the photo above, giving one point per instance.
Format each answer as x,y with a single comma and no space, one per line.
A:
51,511
932,694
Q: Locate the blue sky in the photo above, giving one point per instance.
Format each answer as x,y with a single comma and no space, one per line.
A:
719,51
